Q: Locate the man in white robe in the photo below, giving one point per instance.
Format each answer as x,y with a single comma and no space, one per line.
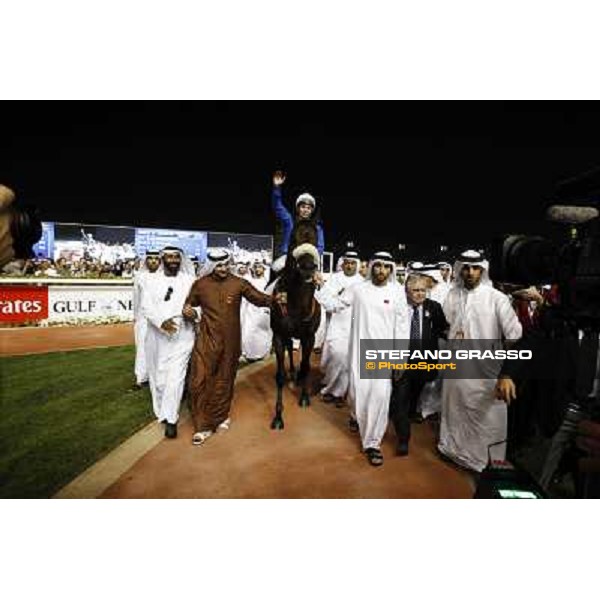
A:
140,324
363,270
170,337
255,320
446,272
400,274
472,418
378,312
334,357
241,270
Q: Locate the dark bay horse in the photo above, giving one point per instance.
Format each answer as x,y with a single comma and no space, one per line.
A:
299,318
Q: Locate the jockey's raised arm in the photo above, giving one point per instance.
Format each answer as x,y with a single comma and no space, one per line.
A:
291,231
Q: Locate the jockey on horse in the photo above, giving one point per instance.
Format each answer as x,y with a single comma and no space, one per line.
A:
297,264
291,233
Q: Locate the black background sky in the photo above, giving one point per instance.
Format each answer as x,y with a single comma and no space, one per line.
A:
421,173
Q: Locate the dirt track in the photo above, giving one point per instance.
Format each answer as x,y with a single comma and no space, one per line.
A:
37,340
315,456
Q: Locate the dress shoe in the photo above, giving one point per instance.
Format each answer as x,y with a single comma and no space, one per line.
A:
171,430
402,449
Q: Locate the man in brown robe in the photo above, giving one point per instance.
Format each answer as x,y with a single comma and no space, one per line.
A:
217,350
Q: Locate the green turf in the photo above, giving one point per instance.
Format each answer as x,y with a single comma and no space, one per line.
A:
61,412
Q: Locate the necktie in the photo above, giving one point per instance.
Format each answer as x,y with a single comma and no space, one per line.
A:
415,328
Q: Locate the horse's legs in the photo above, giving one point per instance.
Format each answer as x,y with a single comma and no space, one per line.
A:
307,344
290,349
277,422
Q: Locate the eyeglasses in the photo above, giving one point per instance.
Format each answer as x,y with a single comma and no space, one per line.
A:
168,294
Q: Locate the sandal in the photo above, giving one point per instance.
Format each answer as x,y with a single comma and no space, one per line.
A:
374,457
224,426
200,437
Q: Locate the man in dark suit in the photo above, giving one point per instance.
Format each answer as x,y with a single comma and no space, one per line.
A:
427,325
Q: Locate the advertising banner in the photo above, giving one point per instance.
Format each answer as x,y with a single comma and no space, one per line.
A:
93,304
66,304
21,303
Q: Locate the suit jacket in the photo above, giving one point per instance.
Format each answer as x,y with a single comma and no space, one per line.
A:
434,327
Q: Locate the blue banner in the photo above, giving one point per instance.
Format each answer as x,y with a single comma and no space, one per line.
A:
45,247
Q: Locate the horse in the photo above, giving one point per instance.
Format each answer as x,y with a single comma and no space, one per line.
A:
297,317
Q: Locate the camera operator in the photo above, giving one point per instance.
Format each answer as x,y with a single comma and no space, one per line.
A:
560,386
547,387
20,229
542,402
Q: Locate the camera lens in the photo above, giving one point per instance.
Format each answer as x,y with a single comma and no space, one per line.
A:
523,259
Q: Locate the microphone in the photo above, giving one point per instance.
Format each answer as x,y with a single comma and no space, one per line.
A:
572,215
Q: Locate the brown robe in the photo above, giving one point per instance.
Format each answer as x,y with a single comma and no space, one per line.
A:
217,350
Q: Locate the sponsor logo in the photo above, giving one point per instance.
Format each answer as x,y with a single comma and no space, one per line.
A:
23,303
89,306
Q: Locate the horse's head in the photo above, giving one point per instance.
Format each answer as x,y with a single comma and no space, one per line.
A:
306,267
306,259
